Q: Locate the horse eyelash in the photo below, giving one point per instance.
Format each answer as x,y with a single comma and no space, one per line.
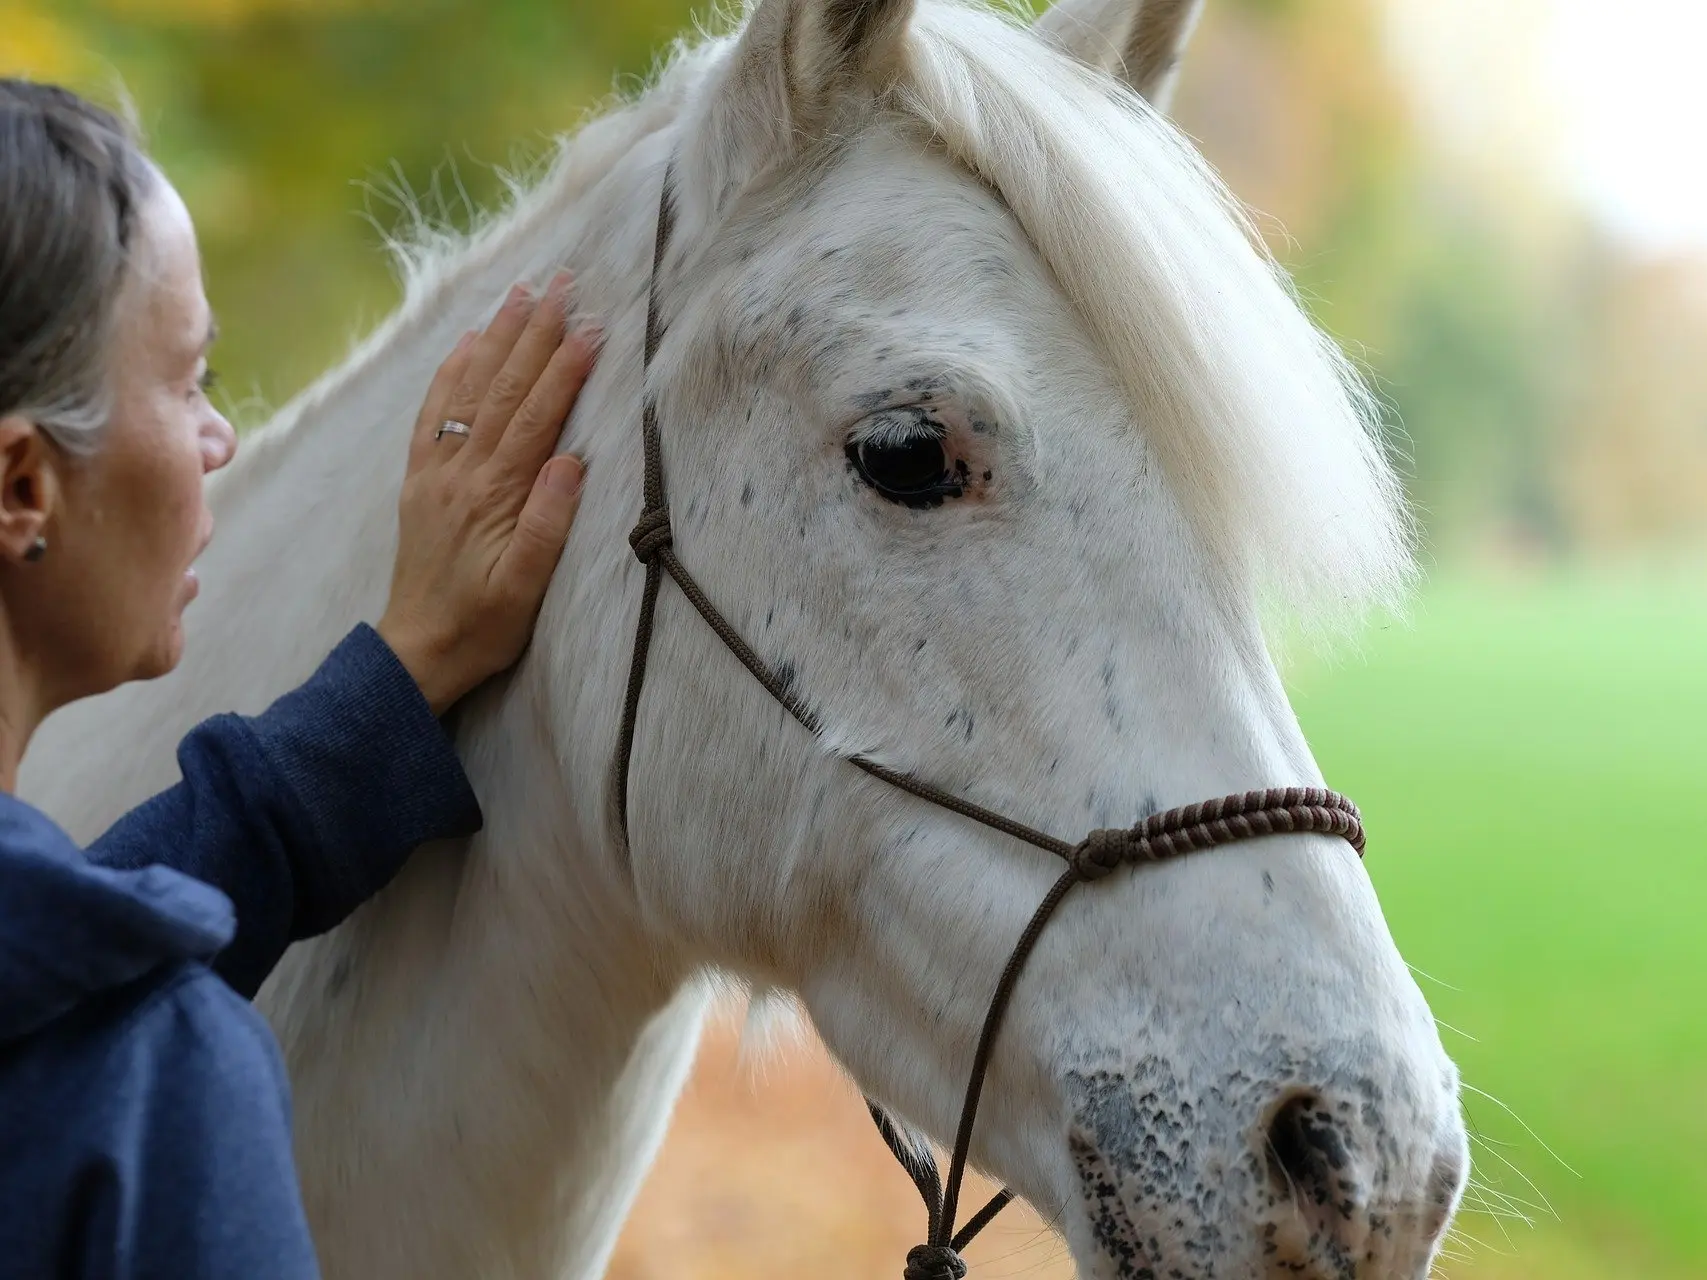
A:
208,380
896,425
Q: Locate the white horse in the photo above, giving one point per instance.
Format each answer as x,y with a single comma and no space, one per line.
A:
902,227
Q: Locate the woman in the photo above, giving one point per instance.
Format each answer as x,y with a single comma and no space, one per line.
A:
144,1116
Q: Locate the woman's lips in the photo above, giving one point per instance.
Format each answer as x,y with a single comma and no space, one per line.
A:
192,581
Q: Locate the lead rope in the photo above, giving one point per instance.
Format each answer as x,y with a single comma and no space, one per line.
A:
1158,838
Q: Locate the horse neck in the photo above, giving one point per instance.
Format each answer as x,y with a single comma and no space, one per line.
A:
483,1059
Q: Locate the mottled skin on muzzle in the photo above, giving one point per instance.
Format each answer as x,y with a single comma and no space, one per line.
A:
1309,1163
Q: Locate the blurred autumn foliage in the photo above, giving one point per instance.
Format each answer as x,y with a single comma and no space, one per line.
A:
1544,384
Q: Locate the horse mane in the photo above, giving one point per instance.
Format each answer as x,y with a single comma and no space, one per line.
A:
1272,440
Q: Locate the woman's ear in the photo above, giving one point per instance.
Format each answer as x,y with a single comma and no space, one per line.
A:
30,491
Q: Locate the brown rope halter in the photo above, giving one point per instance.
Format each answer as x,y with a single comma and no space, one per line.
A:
1156,839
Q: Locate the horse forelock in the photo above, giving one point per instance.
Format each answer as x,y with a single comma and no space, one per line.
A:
1268,433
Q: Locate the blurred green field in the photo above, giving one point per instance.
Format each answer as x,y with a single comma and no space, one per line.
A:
1530,759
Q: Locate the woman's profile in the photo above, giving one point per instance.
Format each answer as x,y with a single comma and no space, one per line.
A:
144,1110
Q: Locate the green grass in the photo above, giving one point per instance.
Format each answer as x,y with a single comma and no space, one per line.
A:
1532,763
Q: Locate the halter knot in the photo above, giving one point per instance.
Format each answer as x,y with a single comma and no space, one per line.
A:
934,1262
651,534
1100,853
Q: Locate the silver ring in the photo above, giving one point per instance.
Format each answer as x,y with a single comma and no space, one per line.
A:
450,427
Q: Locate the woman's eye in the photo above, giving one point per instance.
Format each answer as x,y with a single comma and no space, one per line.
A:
911,468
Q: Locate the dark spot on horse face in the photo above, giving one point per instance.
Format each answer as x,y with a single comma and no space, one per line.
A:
1267,886
747,494
1444,1181
339,978
872,401
1131,1142
1111,1223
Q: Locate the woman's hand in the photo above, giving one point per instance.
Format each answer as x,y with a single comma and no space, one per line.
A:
483,517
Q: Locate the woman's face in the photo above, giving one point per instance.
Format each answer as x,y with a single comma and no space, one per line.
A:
133,518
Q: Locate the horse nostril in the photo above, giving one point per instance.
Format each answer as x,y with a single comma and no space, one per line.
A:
1308,1158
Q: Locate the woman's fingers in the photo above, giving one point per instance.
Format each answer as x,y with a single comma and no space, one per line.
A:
524,569
437,404
532,434
485,358
521,368
482,519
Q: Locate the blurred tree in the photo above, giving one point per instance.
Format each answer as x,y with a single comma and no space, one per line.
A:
1409,267
291,125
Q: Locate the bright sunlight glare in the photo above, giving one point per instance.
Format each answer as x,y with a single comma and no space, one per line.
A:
1608,100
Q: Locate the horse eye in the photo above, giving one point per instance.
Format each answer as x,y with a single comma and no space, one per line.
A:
909,469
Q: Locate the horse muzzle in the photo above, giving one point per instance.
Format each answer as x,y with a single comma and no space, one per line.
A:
1249,1180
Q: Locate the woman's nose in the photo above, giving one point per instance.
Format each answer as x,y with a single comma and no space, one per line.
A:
219,442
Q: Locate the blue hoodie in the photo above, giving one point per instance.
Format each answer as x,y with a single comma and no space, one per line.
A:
144,1111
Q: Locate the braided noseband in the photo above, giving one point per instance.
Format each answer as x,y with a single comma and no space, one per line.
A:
1163,836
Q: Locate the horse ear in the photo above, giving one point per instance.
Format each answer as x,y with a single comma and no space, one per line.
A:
814,51
796,64
836,44
1140,41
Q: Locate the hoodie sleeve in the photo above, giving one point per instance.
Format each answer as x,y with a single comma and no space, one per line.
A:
302,813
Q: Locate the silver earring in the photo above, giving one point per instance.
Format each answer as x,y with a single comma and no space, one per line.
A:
37,550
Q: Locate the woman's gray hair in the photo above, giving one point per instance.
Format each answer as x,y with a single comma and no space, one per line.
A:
72,176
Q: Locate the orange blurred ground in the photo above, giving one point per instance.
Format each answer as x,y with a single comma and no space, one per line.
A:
773,1168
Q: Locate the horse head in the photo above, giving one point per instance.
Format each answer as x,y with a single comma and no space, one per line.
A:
990,429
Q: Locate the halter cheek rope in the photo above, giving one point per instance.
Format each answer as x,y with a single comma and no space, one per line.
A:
1163,836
